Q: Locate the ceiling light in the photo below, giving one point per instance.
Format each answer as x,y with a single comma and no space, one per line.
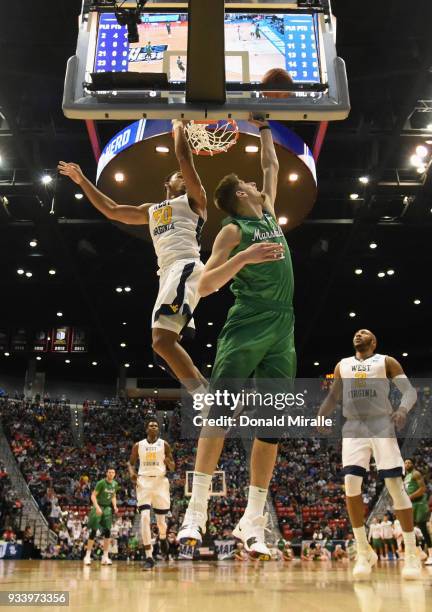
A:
417,302
150,365
416,161
381,274
209,345
293,177
127,365
79,196
155,391
429,127
20,271
316,363
251,149
119,289
119,177
373,245
352,315
162,149
94,363
422,151
67,360
127,289
421,169
38,358
124,323
123,344
358,271
46,179
52,272
7,354
283,220
404,354
29,274
209,365
33,243
429,142
354,196
210,323
364,180
59,314
390,272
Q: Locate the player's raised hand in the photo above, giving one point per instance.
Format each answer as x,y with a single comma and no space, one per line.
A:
262,252
73,171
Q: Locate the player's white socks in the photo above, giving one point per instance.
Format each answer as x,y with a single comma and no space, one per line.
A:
410,542
256,501
361,538
200,491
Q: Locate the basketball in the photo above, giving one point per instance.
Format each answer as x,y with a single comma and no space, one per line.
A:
277,77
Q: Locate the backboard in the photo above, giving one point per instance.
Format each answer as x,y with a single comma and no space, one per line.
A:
110,77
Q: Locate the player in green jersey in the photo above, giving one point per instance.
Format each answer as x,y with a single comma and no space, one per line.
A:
416,488
104,502
258,336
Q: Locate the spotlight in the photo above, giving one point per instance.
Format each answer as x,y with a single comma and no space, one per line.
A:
119,177
20,271
7,354
364,180
283,220
29,274
352,315
416,161
293,178
155,391
79,196
417,302
124,323
381,274
373,245
404,354
127,365
33,243
354,196
421,169
421,151
119,289
358,271
316,363
47,179
150,365
390,272
128,289
52,272
94,363
123,344
209,365
161,149
67,360
209,345
210,323
251,149
38,358
59,314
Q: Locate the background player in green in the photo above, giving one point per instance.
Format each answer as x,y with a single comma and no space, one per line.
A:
104,502
258,336
416,488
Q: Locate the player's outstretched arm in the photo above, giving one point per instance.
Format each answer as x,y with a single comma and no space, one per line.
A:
334,395
169,459
219,269
130,215
269,164
194,188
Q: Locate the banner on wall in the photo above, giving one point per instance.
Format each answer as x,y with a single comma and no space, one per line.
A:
60,340
40,343
79,342
4,340
19,340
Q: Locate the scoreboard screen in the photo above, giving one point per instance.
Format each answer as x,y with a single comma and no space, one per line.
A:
282,40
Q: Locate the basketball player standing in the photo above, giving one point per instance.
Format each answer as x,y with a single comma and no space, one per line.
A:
362,382
154,456
416,489
257,338
175,227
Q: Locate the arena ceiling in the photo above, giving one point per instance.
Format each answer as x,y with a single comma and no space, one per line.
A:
388,51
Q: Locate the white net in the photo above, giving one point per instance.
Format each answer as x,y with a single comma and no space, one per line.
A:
212,138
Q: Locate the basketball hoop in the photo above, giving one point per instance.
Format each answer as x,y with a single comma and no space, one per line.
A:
212,137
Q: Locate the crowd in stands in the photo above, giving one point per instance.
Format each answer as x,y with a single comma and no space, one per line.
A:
307,486
10,507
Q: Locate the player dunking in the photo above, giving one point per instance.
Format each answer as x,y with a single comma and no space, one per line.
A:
175,227
258,336
104,502
362,382
154,456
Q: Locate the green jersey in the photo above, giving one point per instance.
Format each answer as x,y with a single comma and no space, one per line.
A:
412,486
265,286
105,491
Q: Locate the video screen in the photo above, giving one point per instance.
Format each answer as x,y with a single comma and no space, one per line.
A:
258,41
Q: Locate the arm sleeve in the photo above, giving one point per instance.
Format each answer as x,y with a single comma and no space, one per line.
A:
409,394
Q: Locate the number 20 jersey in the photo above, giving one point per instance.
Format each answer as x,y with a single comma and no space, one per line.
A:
151,458
175,230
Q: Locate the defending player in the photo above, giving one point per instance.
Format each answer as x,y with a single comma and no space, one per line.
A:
258,336
362,382
154,456
104,502
416,489
175,227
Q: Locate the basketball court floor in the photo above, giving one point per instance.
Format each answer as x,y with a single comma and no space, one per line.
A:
222,586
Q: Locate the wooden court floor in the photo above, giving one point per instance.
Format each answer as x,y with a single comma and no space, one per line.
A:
220,587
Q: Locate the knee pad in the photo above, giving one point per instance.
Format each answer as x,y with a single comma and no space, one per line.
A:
395,487
106,533
353,485
92,534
